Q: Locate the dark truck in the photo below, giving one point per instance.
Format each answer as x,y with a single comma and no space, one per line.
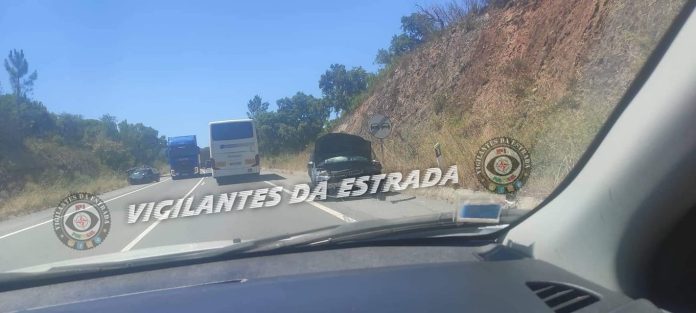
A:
183,155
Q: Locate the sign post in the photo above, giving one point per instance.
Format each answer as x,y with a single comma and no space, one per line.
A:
380,127
438,154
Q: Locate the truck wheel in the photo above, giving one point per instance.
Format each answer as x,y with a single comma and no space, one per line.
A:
217,180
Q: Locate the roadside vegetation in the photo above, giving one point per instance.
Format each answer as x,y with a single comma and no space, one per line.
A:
547,73
46,155
286,133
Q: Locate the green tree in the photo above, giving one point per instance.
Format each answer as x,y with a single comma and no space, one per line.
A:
256,106
339,86
34,118
297,122
9,123
109,128
17,68
267,129
402,44
419,27
304,117
142,142
112,154
383,57
71,127
21,118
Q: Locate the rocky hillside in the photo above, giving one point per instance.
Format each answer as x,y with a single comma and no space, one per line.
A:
545,72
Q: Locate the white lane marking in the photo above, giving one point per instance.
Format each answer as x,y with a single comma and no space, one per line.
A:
320,206
274,185
23,229
105,201
140,237
333,212
155,223
134,191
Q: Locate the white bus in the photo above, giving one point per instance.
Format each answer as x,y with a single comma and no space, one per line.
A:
234,148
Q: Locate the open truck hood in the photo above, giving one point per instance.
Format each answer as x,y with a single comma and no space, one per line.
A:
340,144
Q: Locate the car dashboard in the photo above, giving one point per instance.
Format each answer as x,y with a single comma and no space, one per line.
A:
489,278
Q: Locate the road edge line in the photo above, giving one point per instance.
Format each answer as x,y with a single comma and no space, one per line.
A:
105,201
139,189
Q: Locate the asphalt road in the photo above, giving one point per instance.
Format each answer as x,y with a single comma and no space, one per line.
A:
30,240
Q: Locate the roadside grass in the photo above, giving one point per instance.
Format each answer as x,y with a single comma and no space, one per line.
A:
286,161
556,131
162,167
38,196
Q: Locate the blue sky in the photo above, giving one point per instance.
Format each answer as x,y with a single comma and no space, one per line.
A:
177,65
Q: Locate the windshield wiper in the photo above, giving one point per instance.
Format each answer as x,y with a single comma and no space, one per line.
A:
367,232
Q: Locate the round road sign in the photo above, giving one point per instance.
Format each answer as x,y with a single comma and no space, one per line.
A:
379,126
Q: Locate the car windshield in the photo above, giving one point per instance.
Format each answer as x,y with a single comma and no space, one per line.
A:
473,110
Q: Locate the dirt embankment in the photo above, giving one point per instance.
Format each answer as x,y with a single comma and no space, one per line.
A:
545,72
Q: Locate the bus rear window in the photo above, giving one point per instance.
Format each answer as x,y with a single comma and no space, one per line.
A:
232,131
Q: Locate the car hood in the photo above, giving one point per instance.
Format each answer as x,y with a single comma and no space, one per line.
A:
137,175
340,144
128,255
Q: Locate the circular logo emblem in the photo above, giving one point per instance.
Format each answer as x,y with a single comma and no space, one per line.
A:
503,165
81,221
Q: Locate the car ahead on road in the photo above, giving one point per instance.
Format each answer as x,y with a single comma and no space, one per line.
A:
337,156
143,175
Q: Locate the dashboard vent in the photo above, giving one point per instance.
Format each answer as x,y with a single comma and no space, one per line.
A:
562,298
